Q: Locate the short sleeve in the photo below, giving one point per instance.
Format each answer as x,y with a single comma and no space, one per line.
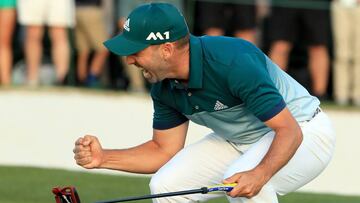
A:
250,81
165,116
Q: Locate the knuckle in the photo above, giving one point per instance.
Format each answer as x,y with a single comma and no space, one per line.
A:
78,162
234,193
83,161
78,141
77,157
81,154
76,149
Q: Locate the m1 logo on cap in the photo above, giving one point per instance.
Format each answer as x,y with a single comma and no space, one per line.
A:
158,36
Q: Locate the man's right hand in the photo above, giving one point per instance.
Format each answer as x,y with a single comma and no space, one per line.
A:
88,152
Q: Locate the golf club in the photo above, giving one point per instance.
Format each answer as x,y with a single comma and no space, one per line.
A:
203,190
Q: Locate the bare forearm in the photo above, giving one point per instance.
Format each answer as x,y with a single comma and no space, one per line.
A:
283,147
145,158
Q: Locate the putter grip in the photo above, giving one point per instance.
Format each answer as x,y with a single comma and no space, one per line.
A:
221,188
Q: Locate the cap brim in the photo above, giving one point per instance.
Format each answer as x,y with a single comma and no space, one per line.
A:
124,47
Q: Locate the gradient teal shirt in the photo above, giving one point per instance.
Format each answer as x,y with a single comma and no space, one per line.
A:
233,88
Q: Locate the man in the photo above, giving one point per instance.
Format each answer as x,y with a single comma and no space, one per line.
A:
269,135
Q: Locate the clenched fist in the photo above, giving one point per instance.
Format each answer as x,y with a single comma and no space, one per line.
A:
88,152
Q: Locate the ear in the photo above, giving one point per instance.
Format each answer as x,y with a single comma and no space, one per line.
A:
167,50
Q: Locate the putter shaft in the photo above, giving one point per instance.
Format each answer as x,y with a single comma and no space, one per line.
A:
202,190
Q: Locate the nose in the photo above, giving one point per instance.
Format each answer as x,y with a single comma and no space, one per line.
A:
130,60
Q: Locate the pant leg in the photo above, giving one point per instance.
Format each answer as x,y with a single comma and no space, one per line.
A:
200,164
309,161
312,157
249,160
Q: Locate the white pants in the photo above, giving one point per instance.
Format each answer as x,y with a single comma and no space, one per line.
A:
213,159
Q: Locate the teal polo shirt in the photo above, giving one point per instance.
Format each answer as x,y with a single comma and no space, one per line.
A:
232,89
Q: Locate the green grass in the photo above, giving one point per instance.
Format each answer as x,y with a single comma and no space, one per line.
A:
33,185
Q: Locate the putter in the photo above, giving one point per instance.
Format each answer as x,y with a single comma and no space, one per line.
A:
203,190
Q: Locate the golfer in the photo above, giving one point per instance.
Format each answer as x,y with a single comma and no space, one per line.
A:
269,134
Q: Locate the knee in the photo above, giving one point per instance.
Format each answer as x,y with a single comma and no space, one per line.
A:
34,34
166,179
160,182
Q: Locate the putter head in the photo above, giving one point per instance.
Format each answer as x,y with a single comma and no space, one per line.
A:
66,194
